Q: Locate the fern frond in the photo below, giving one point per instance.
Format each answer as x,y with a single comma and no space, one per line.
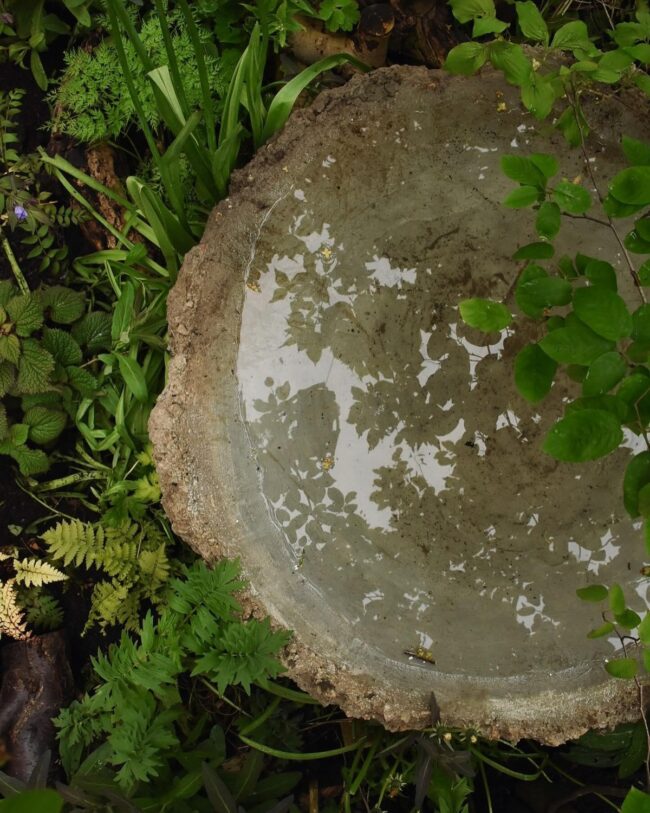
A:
43,612
12,622
74,541
8,553
109,602
34,573
154,567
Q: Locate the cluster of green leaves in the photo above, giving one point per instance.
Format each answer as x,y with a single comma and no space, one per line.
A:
92,102
624,748
130,560
27,27
25,205
548,76
135,715
45,345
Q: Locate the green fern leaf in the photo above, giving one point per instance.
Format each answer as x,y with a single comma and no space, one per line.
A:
12,622
45,424
62,346
10,348
34,368
7,377
26,314
42,612
34,573
30,461
7,291
109,604
94,331
154,567
63,305
74,541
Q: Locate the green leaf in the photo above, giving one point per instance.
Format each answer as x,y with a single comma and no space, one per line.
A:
4,423
572,198
531,22
123,315
534,251
574,344
622,668
487,25
627,619
601,631
94,331
615,209
63,305
632,186
570,36
604,373
637,476
10,348
583,435
571,126
535,295
534,373
485,315
644,273
466,10
594,592
636,801
608,403
547,164
548,220
511,59
34,368
45,424
25,313
603,311
636,152
522,197
466,58
644,630
641,323
30,461
538,95
7,377
523,170
62,346
133,376
642,228
616,598
599,272
635,243
82,381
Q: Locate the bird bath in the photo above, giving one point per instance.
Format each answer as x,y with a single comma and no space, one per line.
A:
331,421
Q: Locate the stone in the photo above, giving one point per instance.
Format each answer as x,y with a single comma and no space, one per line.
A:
331,421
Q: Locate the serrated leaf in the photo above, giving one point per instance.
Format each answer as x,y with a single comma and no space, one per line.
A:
10,348
7,291
625,668
534,373
63,305
572,198
465,59
45,424
34,368
34,572
30,461
62,346
26,314
548,220
603,311
604,373
485,314
594,592
12,622
7,377
583,435
93,331
82,381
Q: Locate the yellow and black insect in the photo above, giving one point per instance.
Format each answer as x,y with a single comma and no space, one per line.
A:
421,654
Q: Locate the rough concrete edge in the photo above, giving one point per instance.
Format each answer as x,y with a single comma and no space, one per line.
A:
549,717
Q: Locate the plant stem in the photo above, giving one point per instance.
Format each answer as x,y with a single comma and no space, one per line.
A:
13,262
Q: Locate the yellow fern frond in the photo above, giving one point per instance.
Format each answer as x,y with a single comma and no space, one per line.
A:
32,572
12,622
74,541
8,553
154,567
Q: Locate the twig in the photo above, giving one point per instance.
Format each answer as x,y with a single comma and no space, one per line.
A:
13,262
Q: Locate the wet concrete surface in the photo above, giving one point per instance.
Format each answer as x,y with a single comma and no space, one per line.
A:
332,421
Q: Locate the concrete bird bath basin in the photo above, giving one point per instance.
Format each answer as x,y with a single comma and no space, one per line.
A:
331,421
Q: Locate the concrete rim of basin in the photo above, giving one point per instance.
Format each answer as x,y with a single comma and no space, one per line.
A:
196,471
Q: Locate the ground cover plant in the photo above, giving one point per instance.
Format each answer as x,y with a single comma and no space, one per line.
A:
183,707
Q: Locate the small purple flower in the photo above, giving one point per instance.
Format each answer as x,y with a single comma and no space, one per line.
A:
6,18
21,213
